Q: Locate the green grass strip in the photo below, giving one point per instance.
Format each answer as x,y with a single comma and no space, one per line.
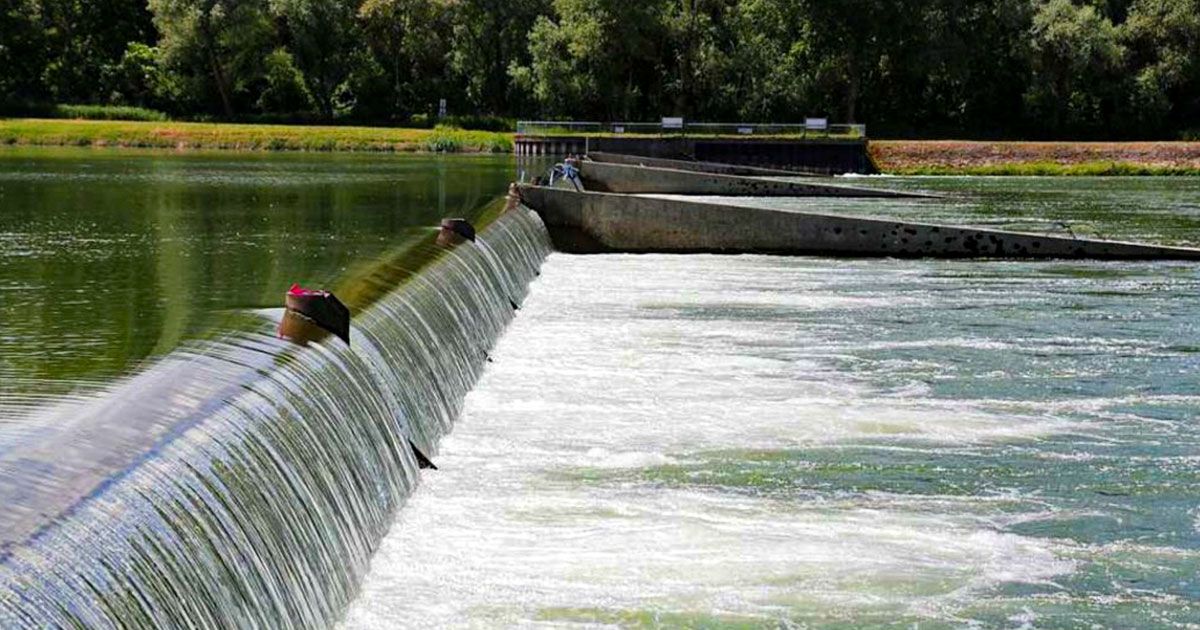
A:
244,137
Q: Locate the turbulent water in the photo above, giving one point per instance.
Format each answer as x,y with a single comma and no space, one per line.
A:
242,482
753,441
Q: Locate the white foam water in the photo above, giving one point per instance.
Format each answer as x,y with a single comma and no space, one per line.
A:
576,489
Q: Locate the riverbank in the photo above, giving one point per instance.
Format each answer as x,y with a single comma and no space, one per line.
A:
896,157
187,135
941,157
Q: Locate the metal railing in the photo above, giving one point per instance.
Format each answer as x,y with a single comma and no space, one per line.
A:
816,128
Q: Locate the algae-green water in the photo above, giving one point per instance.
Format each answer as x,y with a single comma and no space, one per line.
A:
219,476
112,257
712,442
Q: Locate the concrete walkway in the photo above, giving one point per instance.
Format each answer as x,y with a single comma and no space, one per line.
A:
598,223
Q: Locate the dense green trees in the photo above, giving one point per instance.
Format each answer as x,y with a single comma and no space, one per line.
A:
971,67
216,47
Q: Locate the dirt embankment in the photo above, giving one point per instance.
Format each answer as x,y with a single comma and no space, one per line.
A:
1034,158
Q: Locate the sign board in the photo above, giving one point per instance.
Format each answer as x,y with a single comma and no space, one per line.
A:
442,108
618,128
745,131
672,123
816,124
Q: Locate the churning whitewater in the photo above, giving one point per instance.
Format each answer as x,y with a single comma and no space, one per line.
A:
706,441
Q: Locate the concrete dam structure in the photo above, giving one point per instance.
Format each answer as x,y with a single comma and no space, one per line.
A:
697,166
828,156
590,222
627,179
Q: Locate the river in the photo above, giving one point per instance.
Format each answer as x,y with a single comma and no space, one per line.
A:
692,441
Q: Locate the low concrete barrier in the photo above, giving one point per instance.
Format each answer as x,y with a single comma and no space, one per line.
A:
599,223
698,167
621,178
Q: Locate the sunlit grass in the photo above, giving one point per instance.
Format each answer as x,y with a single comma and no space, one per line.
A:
186,135
1049,169
955,157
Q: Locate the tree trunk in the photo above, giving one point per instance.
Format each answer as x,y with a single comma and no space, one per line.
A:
852,94
215,64
222,86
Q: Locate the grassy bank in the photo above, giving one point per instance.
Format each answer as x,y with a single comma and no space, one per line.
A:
904,157
184,135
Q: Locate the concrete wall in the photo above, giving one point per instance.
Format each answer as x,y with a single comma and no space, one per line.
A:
620,178
818,156
699,167
598,222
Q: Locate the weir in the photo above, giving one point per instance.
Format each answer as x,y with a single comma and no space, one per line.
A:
246,481
627,179
825,156
591,222
697,166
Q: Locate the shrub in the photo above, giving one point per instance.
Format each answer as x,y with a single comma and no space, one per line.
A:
444,140
480,123
138,79
469,122
285,91
107,112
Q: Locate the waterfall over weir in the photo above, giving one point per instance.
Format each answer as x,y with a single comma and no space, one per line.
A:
245,482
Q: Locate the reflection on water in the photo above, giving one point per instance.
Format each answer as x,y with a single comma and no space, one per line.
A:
109,257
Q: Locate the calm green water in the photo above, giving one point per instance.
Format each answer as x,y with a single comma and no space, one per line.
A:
110,257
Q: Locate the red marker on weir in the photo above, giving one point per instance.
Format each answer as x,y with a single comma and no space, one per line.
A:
306,308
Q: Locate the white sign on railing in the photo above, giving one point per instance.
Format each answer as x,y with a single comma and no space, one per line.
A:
672,125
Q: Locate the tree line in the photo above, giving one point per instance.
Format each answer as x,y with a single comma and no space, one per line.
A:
1080,68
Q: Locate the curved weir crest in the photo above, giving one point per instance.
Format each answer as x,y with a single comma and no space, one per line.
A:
244,482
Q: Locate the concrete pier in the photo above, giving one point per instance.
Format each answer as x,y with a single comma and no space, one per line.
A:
698,167
620,178
601,223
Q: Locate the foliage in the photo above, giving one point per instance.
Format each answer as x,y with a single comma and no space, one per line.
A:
488,37
23,50
108,112
215,46
285,91
320,33
1163,38
1041,68
406,40
1076,58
